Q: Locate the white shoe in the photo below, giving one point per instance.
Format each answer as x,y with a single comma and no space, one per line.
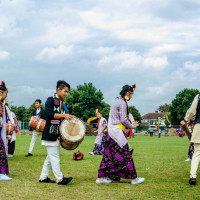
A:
140,180
104,181
188,159
10,156
91,153
4,177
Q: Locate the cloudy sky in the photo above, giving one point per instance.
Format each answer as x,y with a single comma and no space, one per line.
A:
110,43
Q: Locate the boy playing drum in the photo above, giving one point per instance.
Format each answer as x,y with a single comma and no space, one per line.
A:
55,113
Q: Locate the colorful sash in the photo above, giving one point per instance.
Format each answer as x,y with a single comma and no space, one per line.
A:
58,108
121,126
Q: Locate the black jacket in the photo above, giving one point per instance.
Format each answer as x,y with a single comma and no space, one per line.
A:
41,113
49,111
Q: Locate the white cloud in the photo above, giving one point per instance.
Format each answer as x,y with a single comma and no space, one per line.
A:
120,61
4,55
105,21
165,48
55,54
157,63
17,93
11,12
192,66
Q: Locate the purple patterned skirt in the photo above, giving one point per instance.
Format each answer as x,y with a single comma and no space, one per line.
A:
11,147
3,159
99,149
117,162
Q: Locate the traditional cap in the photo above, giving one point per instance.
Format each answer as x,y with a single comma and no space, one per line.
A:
98,111
128,88
3,87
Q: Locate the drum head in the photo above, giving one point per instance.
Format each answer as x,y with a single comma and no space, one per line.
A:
72,130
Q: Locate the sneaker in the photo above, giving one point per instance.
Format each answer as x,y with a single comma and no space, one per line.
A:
4,177
10,156
47,180
104,181
140,180
65,181
29,154
192,181
188,159
91,153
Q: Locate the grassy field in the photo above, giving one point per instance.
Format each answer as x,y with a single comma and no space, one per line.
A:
160,161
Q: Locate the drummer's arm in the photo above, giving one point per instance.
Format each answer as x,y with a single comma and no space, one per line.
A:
66,116
49,107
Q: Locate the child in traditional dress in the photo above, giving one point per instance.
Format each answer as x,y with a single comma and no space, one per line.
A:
4,171
102,133
12,138
55,113
117,161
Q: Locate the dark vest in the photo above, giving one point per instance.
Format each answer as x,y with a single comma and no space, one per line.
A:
197,120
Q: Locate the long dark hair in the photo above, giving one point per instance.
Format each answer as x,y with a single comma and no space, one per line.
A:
124,90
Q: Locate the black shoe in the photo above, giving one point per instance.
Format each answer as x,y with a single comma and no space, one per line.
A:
29,154
47,180
65,181
192,181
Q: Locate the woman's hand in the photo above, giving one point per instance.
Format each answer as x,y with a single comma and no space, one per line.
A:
135,124
68,116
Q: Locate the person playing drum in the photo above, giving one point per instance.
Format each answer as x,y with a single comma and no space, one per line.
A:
39,112
194,111
101,136
55,113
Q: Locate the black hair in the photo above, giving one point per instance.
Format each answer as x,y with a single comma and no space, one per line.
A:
61,84
3,86
38,100
125,89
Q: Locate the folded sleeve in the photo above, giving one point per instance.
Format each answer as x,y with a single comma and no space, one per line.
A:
191,112
123,116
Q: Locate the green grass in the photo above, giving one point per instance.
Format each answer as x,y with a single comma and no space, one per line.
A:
160,161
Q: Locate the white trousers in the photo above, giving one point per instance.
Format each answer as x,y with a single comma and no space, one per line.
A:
34,139
195,160
52,161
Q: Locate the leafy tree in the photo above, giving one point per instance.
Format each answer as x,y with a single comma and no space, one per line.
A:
134,111
164,108
181,104
83,101
29,112
19,112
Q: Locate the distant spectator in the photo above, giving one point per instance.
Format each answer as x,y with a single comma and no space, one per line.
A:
159,132
166,131
151,131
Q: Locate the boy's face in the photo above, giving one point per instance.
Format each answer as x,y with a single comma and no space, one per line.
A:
62,93
37,104
3,95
